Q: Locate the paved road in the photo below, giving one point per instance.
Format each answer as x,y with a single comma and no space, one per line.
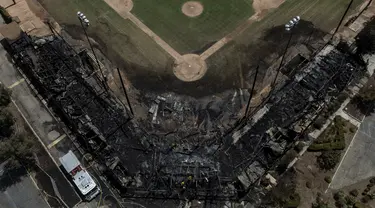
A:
359,162
42,123
50,132
20,194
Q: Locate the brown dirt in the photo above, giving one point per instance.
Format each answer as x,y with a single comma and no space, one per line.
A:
192,8
262,6
192,68
6,3
11,31
120,6
309,171
32,16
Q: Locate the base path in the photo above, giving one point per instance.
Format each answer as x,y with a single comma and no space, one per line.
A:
123,7
261,7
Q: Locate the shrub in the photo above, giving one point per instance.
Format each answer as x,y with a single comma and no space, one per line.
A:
372,180
370,185
357,205
328,160
366,190
6,123
340,204
350,200
328,179
354,192
339,195
308,184
6,16
293,201
299,147
4,96
365,199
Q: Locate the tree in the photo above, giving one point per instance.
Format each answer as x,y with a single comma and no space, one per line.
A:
6,123
4,96
17,150
328,159
350,201
365,40
339,195
365,99
354,192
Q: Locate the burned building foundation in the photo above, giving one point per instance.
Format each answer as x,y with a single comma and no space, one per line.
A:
220,166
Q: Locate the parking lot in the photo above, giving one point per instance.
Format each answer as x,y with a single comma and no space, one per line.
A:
359,161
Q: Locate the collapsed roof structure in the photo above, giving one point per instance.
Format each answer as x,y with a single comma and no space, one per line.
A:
200,166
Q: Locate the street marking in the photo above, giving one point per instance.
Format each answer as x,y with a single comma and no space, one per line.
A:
16,83
56,141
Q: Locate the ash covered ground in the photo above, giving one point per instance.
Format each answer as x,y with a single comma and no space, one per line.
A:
185,148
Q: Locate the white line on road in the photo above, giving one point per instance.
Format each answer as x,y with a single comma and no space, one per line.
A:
16,83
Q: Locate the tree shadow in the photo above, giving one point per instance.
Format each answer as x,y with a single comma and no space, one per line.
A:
10,176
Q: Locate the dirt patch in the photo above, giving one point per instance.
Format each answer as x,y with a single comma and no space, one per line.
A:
192,8
192,68
262,6
32,16
120,6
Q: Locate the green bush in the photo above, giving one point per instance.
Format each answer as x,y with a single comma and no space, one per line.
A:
293,201
5,15
6,123
357,205
328,160
350,201
365,199
328,179
333,138
354,192
339,195
4,96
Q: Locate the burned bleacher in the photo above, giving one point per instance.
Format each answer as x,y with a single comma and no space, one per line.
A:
138,163
257,149
142,164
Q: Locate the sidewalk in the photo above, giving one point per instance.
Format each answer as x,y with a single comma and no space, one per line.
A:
43,125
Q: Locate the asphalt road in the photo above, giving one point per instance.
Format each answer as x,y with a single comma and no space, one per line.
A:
22,193
359,161
49,131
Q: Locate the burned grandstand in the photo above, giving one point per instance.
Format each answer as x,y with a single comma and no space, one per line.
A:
223,166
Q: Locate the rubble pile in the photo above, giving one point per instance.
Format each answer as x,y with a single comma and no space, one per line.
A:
183,151
260,143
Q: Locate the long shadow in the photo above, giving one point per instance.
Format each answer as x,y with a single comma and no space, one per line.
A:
10,176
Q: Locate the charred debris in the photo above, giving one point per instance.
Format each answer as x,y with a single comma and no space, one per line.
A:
222,165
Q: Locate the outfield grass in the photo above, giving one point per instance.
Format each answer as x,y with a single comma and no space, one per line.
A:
121,37
187,34
325,14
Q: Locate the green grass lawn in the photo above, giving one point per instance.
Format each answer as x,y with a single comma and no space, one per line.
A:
187,34
121,38
325,14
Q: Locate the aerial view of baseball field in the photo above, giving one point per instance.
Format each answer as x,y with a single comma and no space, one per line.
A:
189,39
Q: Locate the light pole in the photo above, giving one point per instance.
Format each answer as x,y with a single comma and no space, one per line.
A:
85,23
289,28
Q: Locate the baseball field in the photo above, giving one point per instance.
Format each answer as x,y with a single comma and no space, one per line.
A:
186,34
157,34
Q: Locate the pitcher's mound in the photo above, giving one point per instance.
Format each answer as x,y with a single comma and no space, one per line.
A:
190,68
192,8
